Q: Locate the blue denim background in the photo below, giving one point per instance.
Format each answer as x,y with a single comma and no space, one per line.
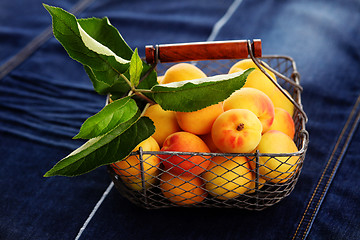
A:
44,101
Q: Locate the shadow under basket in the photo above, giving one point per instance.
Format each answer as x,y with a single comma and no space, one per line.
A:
254,189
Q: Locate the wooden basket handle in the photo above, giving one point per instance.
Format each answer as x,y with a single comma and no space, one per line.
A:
183,52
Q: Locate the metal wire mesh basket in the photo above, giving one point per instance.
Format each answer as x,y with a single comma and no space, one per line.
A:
245,182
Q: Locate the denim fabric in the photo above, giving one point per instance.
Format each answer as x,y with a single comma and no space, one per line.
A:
44,100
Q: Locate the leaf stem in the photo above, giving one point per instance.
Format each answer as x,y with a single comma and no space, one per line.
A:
143,97
127,80
135,92
145,108
144,90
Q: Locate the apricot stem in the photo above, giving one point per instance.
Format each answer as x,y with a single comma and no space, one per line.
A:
240,127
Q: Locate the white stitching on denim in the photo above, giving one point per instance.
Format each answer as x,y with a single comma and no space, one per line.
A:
331,176
222,21
327,165
97,206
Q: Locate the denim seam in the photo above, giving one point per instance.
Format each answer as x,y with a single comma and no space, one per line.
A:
36,43
97,206
337,163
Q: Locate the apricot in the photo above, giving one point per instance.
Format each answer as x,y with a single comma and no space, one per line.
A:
182,190
181,72
276,169
236,131
281,101
256,79
160,79
254,100
130,167
252,185
227,178
207,138
199,122
150,180
165,122
184,164
283,122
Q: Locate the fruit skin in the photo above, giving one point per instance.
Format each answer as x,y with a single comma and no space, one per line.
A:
256,79
159,79
283,122
228,178
281,101
134,183
182,190
236,131
252,185
181,72
199,122
185,164
130,167
207,138
255,101
165,122
279,169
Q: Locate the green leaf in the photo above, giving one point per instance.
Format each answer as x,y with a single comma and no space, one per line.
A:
100,86
147,82
106,149
188,96
136,66
103,32
90,48
108,118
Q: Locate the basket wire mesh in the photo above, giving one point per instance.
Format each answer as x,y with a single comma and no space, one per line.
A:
251,190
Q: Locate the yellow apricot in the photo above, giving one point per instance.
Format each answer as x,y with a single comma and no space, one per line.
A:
281,101
252,186
199,122
181,72
131,167
283,122
159,79
276,169
254,100
165,122
150,180
228,178
236,131
256,79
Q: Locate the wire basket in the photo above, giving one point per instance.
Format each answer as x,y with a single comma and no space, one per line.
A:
245,182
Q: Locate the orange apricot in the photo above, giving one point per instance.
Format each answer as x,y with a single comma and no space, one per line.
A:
182,190
185,164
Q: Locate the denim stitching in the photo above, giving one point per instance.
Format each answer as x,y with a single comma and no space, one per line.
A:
332,174
97,206
355,122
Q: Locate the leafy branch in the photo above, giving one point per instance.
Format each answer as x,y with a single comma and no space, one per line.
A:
115,69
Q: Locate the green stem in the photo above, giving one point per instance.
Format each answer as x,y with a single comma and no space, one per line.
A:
127,81
143,97
145,108
143,90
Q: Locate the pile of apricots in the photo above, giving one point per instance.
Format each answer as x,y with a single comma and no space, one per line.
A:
256,117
